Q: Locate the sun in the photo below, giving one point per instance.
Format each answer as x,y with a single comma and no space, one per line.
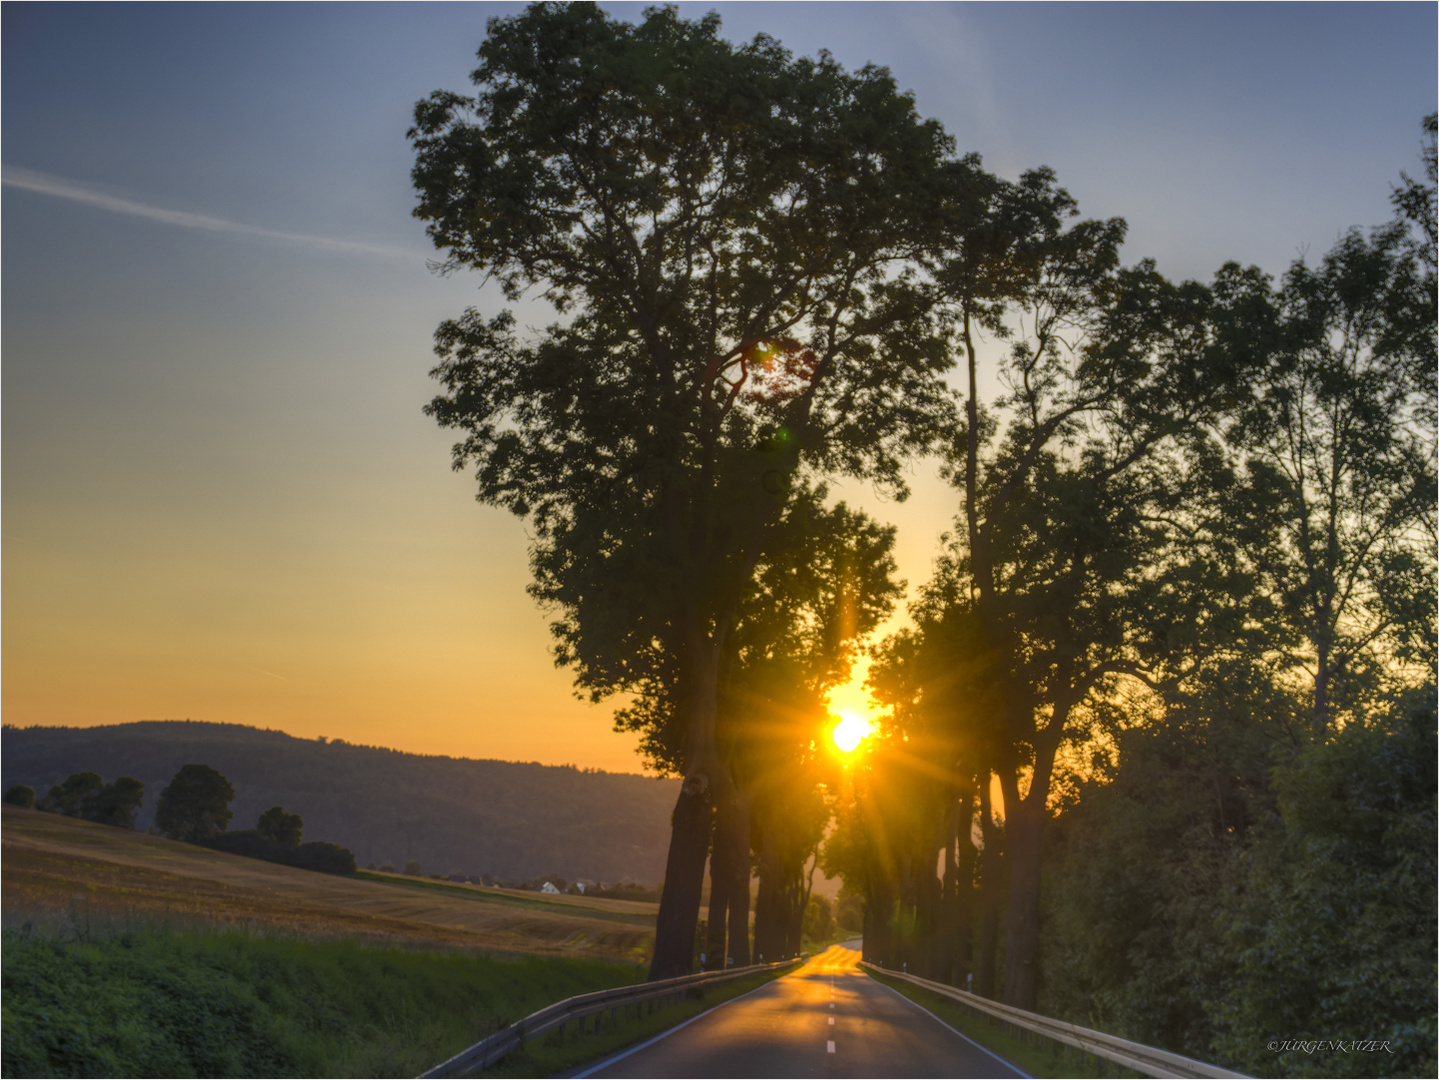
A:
850,732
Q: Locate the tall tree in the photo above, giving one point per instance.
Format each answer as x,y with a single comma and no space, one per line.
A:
1340,444
728,232
1056,582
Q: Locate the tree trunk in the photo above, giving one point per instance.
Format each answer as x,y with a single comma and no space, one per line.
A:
959,886
1024,830
714,951
694,809
735,839
1321,691
768,916
684,882
878,918
989,871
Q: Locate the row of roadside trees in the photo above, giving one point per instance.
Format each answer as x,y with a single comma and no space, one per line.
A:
764,271
194,808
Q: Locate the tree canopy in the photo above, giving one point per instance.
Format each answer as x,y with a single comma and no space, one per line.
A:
195,805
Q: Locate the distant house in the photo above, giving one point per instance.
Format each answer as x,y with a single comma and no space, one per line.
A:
548,887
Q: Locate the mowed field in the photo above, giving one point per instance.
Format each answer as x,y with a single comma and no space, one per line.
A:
57,868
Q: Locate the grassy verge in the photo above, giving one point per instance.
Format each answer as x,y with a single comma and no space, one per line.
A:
558,1053
166,1002
1036,1055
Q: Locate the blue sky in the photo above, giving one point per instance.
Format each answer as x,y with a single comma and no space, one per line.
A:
220,498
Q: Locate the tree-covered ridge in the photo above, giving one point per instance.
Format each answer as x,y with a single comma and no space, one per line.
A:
512,820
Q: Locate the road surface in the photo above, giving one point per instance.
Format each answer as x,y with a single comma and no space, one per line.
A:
826,1019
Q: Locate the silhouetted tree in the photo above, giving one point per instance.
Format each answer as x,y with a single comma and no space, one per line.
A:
117,804
730,233
73,795
195,804
20,795
281,828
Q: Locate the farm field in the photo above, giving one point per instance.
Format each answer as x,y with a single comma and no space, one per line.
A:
58,868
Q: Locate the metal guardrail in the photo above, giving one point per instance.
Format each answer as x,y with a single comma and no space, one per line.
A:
489,1050
1132,1055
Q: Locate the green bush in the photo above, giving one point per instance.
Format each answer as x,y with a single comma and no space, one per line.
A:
165,1003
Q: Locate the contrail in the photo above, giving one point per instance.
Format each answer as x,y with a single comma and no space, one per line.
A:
61,188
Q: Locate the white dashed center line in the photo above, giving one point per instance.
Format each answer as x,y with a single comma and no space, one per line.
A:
830,1049
831,1021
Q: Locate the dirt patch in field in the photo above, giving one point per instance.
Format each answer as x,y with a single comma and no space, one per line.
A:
57,868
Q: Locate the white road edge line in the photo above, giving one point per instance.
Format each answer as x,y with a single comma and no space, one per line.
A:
670,1031
962,1035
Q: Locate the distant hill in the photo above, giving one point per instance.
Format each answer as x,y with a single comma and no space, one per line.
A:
512,820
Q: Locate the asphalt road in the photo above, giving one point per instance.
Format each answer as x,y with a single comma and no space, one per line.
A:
826,1019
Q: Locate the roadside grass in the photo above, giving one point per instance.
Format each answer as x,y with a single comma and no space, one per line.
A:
562,1053
1035,1054
158,1001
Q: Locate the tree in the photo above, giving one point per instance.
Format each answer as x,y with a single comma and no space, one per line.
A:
1351,865
825,582
1071,567
86,795
729,233
74,795
20,795
281,828
117,804
195,805
1339,446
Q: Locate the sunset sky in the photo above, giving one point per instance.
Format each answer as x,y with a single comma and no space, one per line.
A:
221,500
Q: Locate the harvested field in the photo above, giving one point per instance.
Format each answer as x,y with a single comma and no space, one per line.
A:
57,868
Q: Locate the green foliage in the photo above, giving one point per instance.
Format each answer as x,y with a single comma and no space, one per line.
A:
149,1003
849,910
819,919
195,805
281,828
1334,937
1140,867
20,795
